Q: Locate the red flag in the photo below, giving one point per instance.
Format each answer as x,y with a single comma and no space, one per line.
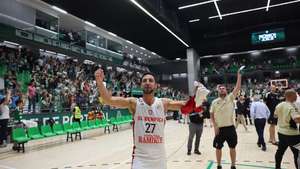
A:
190,106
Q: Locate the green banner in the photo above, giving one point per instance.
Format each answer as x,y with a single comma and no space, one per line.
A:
41,118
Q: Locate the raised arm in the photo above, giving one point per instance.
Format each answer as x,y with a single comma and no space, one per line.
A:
170,104
118,102
238,84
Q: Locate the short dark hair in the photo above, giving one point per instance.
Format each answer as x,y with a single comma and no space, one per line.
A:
298,90
148,73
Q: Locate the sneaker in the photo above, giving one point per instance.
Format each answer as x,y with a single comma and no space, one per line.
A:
3,145
275,143
259,145
197,152
188,153
232,167
219,167
264,148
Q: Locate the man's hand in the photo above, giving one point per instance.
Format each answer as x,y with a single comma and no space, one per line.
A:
99,75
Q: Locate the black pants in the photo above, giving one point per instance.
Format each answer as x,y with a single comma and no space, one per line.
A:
195,129
260,127
76,120
286,141
247,115
31,103
3,129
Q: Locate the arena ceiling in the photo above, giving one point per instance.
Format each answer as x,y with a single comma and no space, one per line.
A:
211,26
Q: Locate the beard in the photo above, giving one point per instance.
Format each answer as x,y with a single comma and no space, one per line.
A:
222,94
148,91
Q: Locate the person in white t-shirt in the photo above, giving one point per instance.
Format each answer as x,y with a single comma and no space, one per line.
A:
4,117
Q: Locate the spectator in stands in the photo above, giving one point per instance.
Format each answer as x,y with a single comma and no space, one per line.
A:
4,117
18,111
92,114
31,96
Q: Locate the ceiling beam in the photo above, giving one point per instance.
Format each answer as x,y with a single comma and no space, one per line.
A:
268,5
137,4
218,10
254,9
196,4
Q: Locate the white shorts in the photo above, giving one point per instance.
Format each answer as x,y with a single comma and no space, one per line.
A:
146,164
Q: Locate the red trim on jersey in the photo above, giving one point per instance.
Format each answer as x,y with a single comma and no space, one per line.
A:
133,149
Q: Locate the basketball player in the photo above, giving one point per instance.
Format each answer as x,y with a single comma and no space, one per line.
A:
149,121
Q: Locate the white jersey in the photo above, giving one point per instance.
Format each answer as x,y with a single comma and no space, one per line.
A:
148,132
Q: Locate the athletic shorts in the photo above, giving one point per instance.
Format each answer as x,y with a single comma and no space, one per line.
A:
227,134
272,120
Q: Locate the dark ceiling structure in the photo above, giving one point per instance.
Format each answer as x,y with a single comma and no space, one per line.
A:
209,26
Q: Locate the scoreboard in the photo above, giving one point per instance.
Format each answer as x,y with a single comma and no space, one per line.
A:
268,36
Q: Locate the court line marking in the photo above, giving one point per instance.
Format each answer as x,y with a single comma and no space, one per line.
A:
210,165
6,167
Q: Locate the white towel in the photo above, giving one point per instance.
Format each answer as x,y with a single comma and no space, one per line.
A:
201,94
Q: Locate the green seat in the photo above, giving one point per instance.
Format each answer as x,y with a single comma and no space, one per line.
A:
47,131
92,124
34,133
104,122
98,123
19,135
76,127
58,129
84,125
68,128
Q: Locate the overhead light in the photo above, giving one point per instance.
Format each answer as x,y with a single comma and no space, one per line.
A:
59,9
196,4
194,20
255,53
112,34
50,52
98,37
126,47
291,49
218,10
153,53
268,5
149,14
129,41
277,72
131,49
142,48
89,23
225,57
255,9
139,58
177,58
11,43
136,51
141,53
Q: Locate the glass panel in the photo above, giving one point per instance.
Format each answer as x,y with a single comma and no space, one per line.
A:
114,46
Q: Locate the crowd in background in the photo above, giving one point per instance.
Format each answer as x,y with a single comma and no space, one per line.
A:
55,83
